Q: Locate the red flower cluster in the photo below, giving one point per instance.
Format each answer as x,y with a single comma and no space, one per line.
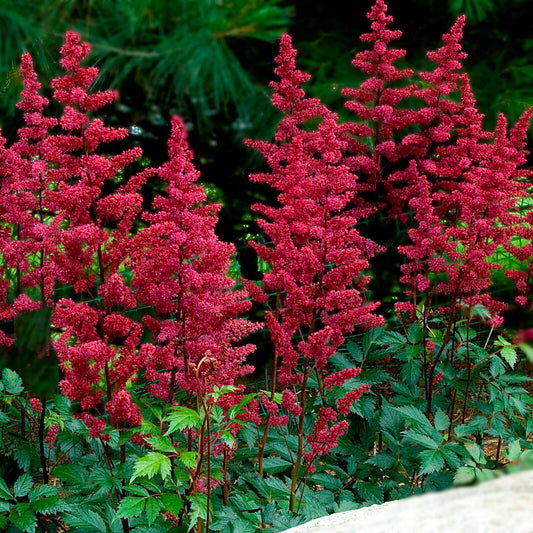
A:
180,268
316,255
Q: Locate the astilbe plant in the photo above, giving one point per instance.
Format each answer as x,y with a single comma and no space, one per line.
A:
97,346
180,270
464,201
316,260
27,213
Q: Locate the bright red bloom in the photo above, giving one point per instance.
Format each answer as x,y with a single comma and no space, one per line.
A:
181,269
315,254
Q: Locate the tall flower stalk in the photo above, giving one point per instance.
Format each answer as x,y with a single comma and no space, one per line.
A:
316,261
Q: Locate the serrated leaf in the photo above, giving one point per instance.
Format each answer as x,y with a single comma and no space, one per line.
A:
478,423
369,492
355,351
86,519
181,418
48,505
71,474
393,337
475,451
151,464
414,415
442,421
509,354
161,444
23,517
5,493
327,481
227,438
415,333
12,382
236,409
131,506
464,475
430,461
419,438
22,486
189,459
172,502
23,455
198,509
42,490
152,510
513,450
137,490
382,460
5,506
497,366
277,488
275,465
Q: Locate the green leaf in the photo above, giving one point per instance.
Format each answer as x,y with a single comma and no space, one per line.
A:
12,381
23,517
85,519
442,421
415,333
464,475
48,505
70,474
478,423
22,486
5,506
382,460
189,459
430,461
217,414
131,506
23,455
198,509
393,337
42,490
414,415
151,464
475,452
172,502
161,444
5,493
278,490
152,509
326,480
419,438
411,371
275,465
227,438
509,354
369,492
528,350
137,490
355,351
513,450
181,418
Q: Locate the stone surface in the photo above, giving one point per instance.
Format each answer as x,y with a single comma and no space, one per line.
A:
504,505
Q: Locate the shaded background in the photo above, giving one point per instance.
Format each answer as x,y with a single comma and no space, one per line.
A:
211,60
